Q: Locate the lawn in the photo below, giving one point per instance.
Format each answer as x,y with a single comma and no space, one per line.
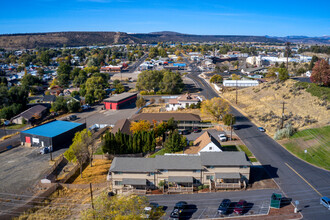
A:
229,148
95,174
15,126
160,152
312,145
240,148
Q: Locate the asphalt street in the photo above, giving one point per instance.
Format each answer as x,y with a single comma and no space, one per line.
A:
297,179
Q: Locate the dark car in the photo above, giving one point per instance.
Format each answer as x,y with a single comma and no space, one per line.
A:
224,206
184,132
196,130
178,209
240,207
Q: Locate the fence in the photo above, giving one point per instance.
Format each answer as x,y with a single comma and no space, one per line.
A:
70,174
54,167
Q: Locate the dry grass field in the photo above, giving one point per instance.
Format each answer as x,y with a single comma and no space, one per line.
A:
263,104
95,174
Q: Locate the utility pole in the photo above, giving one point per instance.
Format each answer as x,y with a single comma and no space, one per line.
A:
283,103
287,49
236,92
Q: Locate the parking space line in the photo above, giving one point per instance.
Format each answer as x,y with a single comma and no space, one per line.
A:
199,217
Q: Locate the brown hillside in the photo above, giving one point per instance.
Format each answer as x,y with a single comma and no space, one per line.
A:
70,39
263,104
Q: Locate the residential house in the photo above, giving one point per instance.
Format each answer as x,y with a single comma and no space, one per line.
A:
180,173
240,83
29,115
183,101
123,126
204,143
184,120
48,99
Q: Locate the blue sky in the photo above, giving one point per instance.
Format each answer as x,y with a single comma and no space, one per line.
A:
274,18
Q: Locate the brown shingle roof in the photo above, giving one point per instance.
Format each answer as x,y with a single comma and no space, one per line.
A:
123,125
166,117
201,142
29,113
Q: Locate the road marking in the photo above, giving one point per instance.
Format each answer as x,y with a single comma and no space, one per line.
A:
199,217
304,179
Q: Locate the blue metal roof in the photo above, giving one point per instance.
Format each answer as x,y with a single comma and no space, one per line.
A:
52,129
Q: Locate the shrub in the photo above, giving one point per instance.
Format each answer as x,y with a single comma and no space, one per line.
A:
161,101
144,93
286,132
161,183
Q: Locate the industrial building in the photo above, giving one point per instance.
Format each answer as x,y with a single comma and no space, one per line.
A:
119,101
52,134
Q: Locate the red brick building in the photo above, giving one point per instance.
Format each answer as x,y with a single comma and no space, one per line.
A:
119,101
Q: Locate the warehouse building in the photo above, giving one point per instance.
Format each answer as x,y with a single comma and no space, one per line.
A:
52,134
119,101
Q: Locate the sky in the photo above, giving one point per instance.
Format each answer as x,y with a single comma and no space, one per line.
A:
209,17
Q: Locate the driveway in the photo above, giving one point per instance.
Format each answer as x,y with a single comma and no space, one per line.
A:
205,205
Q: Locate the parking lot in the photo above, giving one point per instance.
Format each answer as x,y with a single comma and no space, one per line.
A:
205,205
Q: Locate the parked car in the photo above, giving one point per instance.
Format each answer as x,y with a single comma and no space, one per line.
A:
325,201
222,137
85,107
178,209
261,129
184,132
240,207
196,130
224,206
235,127
72,117
45,150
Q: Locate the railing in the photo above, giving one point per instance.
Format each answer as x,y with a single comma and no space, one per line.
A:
180,189
228,185
133,190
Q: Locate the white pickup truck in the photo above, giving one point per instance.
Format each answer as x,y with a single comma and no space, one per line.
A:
222,137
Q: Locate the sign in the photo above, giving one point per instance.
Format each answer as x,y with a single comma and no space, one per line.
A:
35,140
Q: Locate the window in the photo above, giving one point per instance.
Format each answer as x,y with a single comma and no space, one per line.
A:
243,167
210,167
118,183
163,171
210,148
209,177
151,174
196,171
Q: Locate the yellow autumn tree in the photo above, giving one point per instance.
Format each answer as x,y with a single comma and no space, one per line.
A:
216,108
141,125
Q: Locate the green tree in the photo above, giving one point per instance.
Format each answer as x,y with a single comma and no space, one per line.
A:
216,79
229,119
63,74
175,142
60,105
172,83
149,80
44,58
73,106
313,61
283,74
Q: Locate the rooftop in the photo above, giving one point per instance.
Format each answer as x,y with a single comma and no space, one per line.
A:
31,112
52,129
166,116
120,97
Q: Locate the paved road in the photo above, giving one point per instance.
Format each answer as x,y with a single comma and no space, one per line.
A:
298,180
205,205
